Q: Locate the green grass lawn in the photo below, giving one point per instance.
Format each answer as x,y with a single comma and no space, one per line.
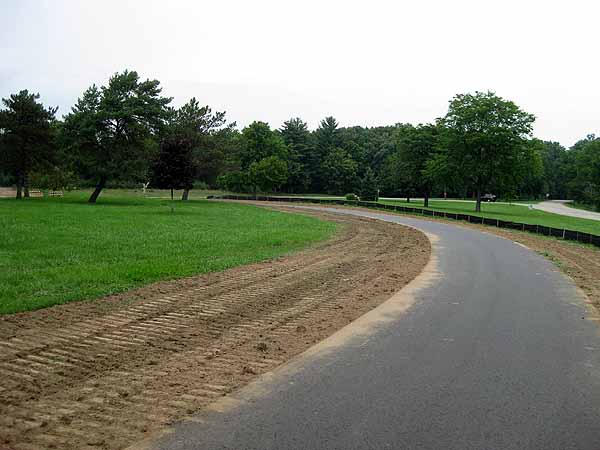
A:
62,249
195,194
508,212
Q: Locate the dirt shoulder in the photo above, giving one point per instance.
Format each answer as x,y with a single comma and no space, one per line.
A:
102,374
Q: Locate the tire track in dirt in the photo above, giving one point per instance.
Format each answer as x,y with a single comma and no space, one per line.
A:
102,374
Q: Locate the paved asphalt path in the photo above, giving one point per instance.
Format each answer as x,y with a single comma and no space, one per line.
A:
494,355
559,207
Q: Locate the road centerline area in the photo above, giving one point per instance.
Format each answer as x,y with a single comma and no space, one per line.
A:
493,355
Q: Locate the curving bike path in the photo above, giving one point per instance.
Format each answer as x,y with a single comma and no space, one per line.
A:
497,352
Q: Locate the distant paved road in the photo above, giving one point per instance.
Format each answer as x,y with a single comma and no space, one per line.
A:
559,207
494,355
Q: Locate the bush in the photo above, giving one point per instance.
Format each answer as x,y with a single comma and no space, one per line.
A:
202,185
352,197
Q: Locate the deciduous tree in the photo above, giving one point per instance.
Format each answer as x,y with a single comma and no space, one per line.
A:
268,174
415,149
484,138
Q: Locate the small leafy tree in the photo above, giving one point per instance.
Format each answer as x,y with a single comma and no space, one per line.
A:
258,141
268,174
26,140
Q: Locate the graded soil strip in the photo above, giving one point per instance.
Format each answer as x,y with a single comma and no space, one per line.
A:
101,374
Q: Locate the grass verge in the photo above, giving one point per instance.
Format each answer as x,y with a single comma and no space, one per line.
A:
57,250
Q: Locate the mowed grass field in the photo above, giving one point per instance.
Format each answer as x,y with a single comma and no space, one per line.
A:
57,250
510,212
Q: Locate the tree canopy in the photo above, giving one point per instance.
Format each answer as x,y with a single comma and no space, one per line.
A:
126,133
110,130
484,138
26,136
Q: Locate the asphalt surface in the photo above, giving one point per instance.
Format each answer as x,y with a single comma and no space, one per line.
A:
495,354
559,207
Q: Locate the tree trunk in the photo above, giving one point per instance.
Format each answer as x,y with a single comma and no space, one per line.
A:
407,199
19,186
26,186
99,187
426,200
171,194
478,203
186,195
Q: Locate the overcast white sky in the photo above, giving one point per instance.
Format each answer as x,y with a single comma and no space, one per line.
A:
364,62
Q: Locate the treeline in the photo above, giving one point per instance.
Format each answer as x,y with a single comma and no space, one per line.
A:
126,133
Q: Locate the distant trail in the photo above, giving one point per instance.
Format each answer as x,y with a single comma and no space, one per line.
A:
559,207
493,355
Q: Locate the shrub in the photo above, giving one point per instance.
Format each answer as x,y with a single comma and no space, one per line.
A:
352,197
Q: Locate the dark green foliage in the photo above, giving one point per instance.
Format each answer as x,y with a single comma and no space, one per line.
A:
268,174
114,134
110,131
299,142
352,197
416,147
484,137
554,174
174,166
584,160
258,141
235,181
369,190
340,172
54,178
201,132
26,137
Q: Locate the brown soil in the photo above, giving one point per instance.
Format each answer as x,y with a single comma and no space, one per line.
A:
101,374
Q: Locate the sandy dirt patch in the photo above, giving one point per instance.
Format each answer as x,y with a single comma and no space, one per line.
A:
103,374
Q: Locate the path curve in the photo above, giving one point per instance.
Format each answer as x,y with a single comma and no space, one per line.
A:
495,354
559,207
